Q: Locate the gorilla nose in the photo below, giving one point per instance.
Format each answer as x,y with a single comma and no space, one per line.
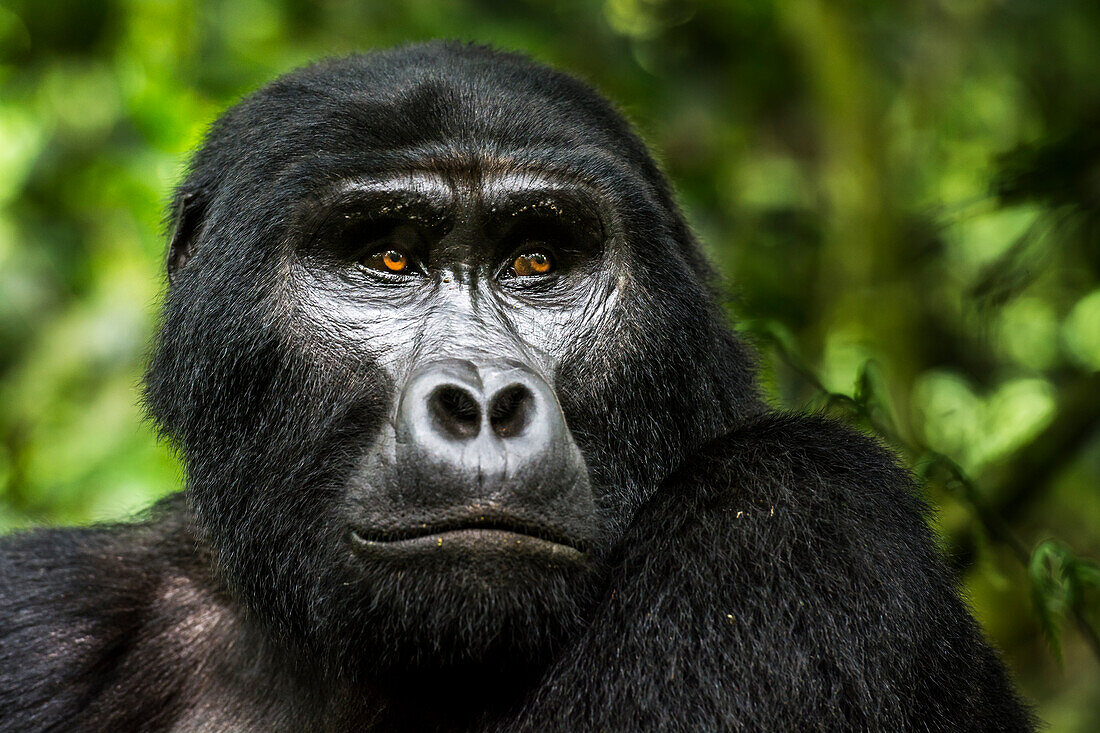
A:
489,430
454,403
458,412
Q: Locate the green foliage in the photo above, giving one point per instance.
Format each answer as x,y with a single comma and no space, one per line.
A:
1059,583
905,197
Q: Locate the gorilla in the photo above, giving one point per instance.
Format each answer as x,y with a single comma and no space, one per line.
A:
471,445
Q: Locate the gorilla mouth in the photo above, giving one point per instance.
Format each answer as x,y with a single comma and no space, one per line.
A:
487,532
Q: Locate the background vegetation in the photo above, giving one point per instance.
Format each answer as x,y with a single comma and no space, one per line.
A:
906,197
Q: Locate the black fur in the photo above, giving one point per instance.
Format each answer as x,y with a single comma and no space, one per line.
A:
752,570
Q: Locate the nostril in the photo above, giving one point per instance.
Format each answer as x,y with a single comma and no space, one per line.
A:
510,410
455,411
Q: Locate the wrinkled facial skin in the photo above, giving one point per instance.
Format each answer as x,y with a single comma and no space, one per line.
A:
457,321
435,330
478,497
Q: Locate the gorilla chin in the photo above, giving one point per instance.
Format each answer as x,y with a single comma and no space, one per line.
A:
473,589
487,594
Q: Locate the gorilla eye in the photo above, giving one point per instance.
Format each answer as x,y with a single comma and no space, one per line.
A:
535,262
390,260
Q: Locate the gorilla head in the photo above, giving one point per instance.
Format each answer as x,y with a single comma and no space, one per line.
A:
435,329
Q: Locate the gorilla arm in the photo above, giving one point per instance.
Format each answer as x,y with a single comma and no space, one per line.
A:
783,579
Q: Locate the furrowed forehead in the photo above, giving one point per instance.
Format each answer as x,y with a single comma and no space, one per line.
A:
485,168
431,194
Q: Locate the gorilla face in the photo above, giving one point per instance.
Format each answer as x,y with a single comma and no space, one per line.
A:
468,517
435,330
467,295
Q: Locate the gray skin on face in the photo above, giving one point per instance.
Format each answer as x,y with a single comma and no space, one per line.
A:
476,457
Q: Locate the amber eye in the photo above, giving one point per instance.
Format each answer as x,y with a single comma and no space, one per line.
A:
532,263
390,260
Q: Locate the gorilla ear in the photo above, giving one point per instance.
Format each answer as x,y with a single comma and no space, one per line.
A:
190,210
